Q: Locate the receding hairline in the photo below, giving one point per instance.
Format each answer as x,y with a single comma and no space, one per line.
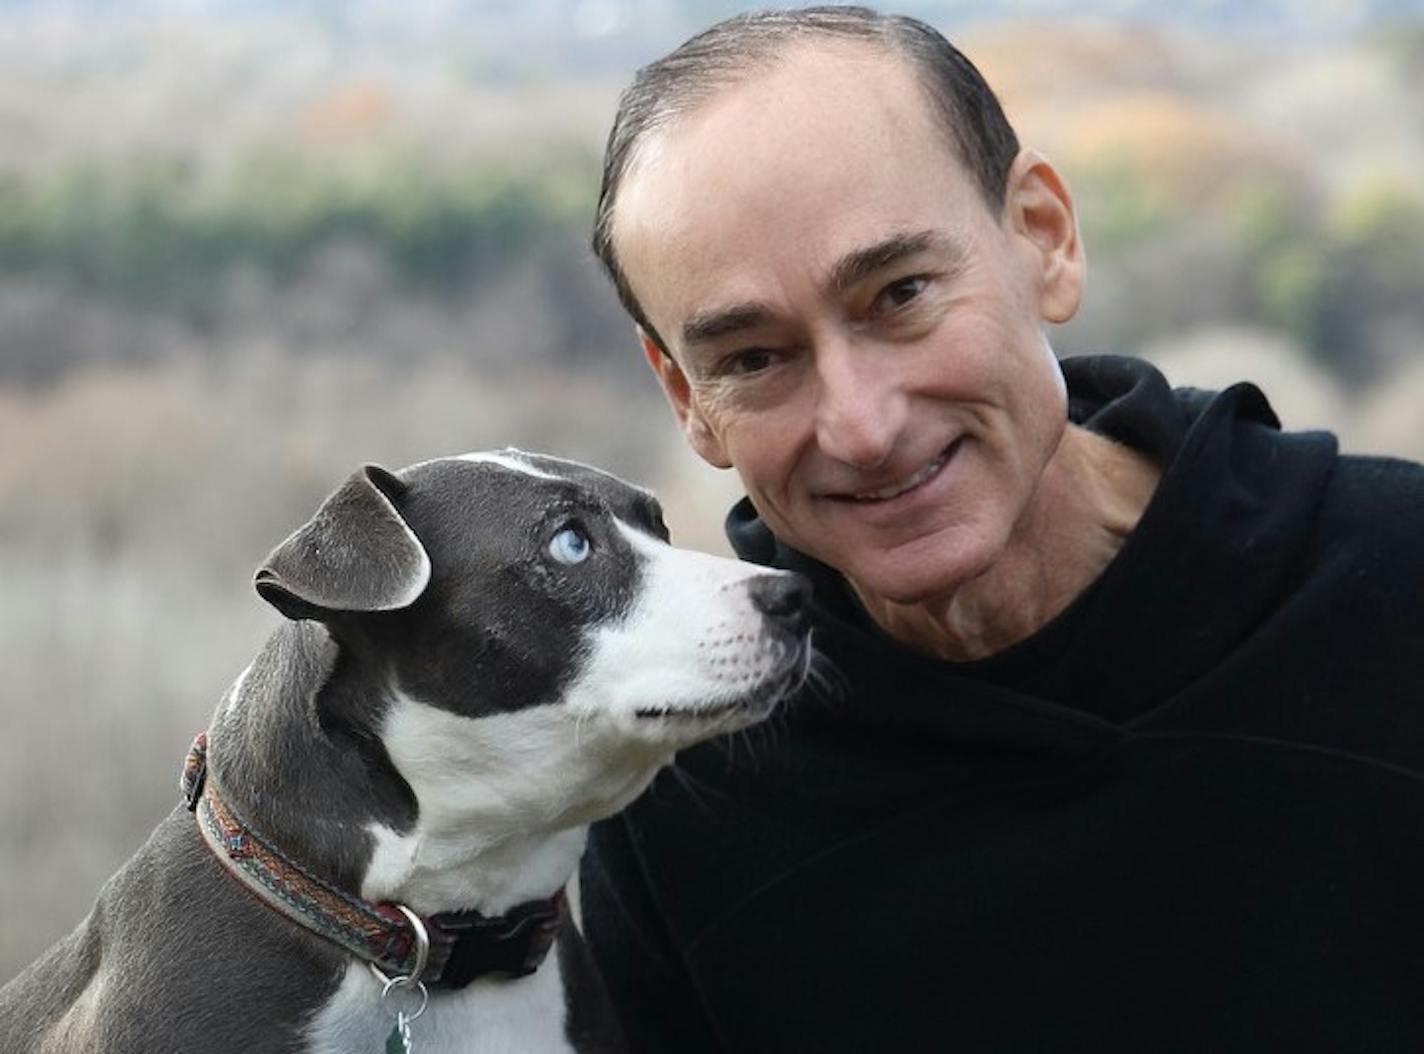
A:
692,97
975,130
695,99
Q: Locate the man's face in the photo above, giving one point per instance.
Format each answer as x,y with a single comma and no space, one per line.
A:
851,328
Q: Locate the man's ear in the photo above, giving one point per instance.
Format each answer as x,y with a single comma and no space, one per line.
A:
1039,207
356,554
684,406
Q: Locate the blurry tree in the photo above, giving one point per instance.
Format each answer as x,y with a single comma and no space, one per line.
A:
157,236
1372,310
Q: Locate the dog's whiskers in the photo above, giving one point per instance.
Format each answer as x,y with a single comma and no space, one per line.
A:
824,679
695,790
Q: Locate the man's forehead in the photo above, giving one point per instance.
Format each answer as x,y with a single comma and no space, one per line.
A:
784,180
808,92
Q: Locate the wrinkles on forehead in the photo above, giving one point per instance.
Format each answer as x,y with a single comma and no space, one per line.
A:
833,149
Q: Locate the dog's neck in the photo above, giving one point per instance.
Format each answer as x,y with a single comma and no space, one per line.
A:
393,799
431,873
291,772
504,804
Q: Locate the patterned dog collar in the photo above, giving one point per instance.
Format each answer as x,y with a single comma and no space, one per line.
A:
463,945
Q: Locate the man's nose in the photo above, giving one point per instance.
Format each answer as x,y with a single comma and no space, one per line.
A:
860,408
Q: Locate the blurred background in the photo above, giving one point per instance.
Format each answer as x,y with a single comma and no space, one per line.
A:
247,245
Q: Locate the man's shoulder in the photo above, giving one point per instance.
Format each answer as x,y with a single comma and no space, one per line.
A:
1375,499
1382,477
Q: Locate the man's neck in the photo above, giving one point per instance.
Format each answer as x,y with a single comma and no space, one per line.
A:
1089,500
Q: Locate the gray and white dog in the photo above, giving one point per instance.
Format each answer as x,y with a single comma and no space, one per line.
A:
485,654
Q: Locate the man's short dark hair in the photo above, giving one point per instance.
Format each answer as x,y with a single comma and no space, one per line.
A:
676,84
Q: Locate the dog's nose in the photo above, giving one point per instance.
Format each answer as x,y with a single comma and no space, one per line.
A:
782,598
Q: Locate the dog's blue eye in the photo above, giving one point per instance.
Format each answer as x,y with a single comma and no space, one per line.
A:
569,546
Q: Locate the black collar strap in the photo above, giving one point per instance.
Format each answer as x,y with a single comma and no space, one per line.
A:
463,945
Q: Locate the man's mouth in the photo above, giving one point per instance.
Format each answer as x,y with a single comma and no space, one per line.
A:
911,482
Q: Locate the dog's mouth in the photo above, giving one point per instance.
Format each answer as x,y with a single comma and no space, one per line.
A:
696,713
753,705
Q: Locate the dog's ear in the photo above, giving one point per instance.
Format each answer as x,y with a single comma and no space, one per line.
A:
355,554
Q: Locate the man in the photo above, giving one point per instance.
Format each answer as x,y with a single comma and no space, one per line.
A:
1124,744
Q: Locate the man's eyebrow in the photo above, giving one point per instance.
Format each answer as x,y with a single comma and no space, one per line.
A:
706,326
860,264
709,325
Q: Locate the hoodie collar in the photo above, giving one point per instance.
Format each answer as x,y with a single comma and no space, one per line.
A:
1214,551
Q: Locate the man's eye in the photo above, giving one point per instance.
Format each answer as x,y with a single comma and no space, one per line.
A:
752,360
898,294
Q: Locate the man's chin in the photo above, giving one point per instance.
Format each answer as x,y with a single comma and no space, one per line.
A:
914,575
882,591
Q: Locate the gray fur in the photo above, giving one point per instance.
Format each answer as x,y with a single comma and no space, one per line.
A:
438,582
154,967
305,721
175,955
355,554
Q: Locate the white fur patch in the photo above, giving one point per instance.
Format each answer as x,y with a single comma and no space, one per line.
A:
693,640
515,460
503,804
507,459
488,1017
510,459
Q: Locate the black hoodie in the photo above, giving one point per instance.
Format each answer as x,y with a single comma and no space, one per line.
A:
1186,815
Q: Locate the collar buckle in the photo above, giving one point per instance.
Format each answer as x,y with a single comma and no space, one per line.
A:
472,945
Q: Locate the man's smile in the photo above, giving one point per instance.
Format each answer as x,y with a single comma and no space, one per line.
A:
854,331
906,484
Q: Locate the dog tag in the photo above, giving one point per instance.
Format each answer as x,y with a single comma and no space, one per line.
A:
398,1042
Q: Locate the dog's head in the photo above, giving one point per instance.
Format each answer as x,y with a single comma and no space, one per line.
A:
543,649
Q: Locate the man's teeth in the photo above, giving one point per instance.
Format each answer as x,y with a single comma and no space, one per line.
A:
896,489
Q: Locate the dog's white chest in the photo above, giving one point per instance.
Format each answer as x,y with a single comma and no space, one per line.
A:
489,1017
